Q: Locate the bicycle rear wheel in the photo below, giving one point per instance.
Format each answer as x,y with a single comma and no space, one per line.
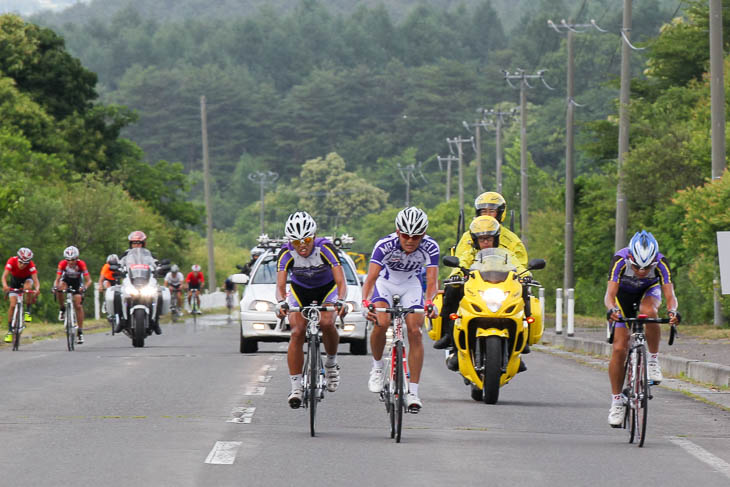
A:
399,405
314,370
628,392
641,390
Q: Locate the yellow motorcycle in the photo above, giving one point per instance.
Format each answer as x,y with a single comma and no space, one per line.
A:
493,323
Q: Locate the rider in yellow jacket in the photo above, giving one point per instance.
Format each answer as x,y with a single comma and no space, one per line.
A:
489,206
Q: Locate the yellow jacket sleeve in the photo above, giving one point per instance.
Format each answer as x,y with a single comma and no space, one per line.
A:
465,251
511,242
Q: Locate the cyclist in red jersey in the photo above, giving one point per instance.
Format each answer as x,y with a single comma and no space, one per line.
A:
70,271
23,275
195,280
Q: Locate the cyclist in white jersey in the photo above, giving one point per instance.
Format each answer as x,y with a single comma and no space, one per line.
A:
395,268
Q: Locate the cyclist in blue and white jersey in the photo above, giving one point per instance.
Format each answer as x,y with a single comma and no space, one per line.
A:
638,277
395,268
316,275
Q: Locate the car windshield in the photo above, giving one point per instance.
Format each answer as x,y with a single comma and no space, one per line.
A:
266,272
494,260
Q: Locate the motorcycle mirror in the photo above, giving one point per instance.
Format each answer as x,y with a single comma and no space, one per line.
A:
165,262
451,261
536,264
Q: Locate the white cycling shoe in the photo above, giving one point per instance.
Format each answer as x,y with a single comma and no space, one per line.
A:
654,372
616,415
375,383
413,402
332,375
295,398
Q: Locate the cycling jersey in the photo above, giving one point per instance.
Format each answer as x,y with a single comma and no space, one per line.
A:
17,272
229,285
195,279
72,270
312,271
107,273
399,267
622,273
174,280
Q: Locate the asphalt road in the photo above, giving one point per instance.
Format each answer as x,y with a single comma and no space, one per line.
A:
188,409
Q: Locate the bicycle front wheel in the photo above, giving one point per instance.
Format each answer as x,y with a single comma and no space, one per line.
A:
17,325
399,405
69,329
314,370
641,391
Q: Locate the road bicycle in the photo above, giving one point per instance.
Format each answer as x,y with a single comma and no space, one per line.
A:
175,308
395,388
637,387
229,302
70,322
194,307
17,323
314,382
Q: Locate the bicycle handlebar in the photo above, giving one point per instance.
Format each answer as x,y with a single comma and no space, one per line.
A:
643,320
318,308
398,310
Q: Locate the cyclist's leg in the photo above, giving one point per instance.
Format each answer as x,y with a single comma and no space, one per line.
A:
650,307
61,297
79,309
618,357
295,355
382,298
13,298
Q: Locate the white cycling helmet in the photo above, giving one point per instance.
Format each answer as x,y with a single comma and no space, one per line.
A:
643,249
411,221
174,269
71,253
300,225
196,268
112,259
24,255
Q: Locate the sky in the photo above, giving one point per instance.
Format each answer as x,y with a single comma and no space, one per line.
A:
28,7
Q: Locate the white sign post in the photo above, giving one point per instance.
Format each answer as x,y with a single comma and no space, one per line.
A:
723,252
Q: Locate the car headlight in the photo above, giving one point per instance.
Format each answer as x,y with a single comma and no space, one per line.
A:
262,306
494,298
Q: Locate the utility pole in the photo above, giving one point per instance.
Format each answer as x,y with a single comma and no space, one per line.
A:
206,191
477,147
448,160
458,141
497,119
262,178
568,280
406,172
522,77
717,96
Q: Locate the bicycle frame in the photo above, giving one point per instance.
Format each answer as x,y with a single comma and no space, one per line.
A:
70,321
17,324
313,377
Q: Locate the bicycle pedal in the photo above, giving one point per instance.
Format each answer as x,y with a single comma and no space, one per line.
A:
413,410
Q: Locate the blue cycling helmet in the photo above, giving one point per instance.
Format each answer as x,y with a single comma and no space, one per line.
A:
643,249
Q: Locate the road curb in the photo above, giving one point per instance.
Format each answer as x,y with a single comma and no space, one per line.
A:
706,372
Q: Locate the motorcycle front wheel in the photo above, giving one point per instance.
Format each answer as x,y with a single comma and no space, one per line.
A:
139,327
492,362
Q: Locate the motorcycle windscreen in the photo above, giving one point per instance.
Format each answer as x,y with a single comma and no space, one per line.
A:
494,265
139,274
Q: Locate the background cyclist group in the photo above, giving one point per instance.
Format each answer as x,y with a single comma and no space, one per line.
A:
20,278
639,276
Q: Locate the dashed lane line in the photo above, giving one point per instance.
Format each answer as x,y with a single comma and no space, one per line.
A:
223,453
703,455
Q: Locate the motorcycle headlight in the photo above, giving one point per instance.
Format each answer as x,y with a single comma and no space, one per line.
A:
262,306
130,290
494,298
148,291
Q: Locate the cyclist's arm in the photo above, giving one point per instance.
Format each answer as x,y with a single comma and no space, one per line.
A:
432,276
57,281
609,300
5,280
36,283
669,296
373,273
281,285
88,280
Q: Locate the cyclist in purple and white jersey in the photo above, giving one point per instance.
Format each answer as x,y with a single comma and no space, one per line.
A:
395,268
316,276
638,277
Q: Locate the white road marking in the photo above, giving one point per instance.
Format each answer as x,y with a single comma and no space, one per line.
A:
264,378
701,454
242,415
254,391
223,453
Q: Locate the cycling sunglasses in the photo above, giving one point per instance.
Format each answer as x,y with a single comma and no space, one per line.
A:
301,241
410,237
637,267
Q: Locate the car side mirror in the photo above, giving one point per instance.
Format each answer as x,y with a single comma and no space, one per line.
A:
239,278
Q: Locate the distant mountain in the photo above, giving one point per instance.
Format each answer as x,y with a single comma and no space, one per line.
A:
29,7
175,10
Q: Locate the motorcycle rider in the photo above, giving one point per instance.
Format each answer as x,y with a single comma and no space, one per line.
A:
638,277
70,271
394,268
138,239
490,204
316,275
256,252
23,275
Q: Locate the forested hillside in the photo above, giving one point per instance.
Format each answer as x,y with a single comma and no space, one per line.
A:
334,98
